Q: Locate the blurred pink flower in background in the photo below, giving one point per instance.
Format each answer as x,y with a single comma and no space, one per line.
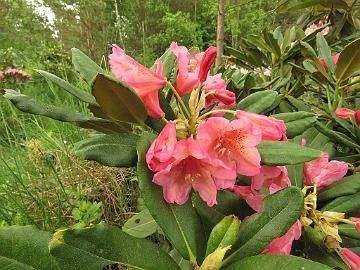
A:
15,73
192,168
351,258
282,245
357,223
271,128
344,113
322,172
313,27
232,142
144,81
334,58
2,76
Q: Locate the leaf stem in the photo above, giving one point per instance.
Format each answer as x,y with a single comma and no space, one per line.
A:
178,98
216,111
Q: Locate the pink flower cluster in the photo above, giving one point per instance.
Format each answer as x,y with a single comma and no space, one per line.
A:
334,58
17,74
315,26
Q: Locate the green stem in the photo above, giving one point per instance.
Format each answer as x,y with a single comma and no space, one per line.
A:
216,111
178,98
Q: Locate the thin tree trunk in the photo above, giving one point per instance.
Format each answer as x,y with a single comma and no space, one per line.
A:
220,32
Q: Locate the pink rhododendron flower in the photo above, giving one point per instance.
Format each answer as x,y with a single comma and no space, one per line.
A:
232,142
273,178
144,81
282,245
188,69
334,58
312,28
271,128
224,99
17,74
192,168
2,76
357,223
357,117
206,63
160,153
253,198
344,113
322,172
351,258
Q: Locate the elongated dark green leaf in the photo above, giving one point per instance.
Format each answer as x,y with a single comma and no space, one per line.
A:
298,104
343,204
102,245
80,94
289,5
295,173
26,248
118,101
321,255
227,204
223,234
28,104
277,153
114,150
296,122
324,51
87,68
276,262
141,225
181,224
347,186
272,42
280,212
257,102
336,136
349,230
349,61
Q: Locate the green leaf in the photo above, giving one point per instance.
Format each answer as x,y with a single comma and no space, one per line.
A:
80,94
324,51
227,204
141,225
349,61
280,212
287,153
335,136
349,230
295,173
87,68
347,186
169,61
102,245
25,248
28,104
114,150
343,204
223,234
290,5
257,102
296,122
118,101
272,42
276,262
181,224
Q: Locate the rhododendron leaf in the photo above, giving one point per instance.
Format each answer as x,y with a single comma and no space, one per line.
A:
280,212
26,248
343,204
118,100
349,61
317,140
114,150
180,223
103,245
347,186
349,230
257,102
169,62
223,234
278,153
308,52
87,68
296,122
289,5
80,94
335,136
227,204
321,255
276,262
295,173
28,104
272,42
298,104
324,51
141,225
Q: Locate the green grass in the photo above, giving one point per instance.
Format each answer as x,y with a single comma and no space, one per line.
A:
41,181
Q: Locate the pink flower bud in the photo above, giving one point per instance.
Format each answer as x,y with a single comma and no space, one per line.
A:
206,63
351,258
357,117
357,223
344,113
